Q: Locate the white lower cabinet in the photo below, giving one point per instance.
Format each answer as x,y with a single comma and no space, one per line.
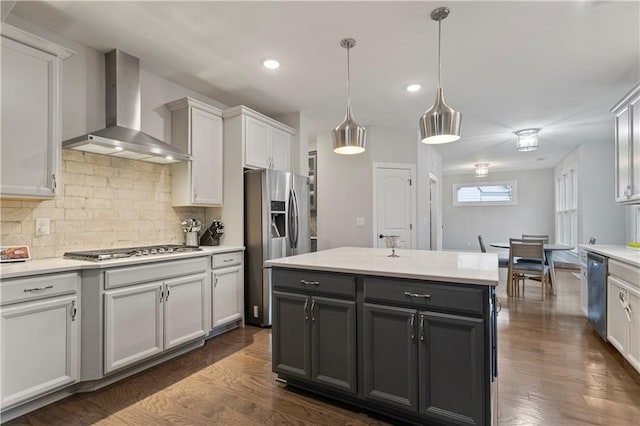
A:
40,345
146,319
227,283
623,311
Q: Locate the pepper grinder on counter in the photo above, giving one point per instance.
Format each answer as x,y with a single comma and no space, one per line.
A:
211,236
191,227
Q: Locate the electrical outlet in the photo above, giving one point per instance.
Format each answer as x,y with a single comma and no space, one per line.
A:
43,226
255,311
360,222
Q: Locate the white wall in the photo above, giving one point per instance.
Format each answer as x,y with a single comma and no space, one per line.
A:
598,214
300,149
534,213
345,190
429,162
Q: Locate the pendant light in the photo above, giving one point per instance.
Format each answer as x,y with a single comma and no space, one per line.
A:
441,123
527,139
348,137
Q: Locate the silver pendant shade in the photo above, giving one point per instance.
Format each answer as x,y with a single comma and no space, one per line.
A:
440,123
349,137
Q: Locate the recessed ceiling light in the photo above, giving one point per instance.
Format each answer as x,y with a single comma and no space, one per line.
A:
413,87
272,64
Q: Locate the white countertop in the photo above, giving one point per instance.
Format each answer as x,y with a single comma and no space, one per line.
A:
621,253
447,266
59,264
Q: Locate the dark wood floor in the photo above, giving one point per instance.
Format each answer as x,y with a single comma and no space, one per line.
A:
553,370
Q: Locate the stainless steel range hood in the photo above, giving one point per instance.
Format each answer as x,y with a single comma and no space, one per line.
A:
122,136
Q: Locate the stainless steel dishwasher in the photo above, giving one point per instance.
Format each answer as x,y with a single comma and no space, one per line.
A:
597,297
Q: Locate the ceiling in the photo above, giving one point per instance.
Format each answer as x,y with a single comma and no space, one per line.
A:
505,65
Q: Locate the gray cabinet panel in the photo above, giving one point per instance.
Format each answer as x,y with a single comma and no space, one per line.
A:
390,356
291,355
450,297
313,282
333,343
451,364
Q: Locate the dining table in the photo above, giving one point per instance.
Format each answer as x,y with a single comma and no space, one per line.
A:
548,253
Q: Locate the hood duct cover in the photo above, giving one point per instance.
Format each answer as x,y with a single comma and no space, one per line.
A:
122,136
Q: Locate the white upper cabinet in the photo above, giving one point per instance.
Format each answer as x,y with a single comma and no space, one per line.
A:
196,128
266,143
31,126
627,139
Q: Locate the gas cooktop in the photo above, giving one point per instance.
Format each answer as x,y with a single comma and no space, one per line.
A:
120,253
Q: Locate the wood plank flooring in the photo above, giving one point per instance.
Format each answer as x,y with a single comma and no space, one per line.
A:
553,370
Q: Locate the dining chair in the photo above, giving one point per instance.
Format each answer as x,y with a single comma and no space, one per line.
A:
503,262
544,238
535,268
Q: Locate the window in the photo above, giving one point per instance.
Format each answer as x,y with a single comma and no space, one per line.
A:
488,194
567,207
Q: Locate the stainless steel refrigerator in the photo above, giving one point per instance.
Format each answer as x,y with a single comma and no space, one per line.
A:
276,215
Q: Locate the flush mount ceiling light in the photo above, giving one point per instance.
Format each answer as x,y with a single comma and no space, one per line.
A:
527,139
441,123
348,137
482,169
272,64
413,87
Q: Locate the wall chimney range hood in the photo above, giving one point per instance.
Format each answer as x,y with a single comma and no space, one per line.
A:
122,137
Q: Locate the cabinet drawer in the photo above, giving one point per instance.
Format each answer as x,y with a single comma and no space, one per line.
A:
315,282
154,272
426,294
22,289
625,272
226,259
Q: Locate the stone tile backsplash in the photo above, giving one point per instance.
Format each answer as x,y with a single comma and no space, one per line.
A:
104,202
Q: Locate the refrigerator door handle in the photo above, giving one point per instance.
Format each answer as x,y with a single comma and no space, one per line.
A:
296,219
292,219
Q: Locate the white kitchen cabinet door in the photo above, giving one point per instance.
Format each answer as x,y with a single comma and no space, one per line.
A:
185,308
280,150
227,295
30,122
132,324
206,148
197,129
257,152
633,346
40,348
627,144
616,319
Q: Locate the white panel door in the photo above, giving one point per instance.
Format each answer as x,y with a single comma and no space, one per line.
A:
133,324
394,204
616,319
30,123
633,346
280,150
206,148
228,295
40,348
256,144
185,307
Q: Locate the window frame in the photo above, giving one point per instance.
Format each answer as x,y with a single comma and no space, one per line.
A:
566,206
512,202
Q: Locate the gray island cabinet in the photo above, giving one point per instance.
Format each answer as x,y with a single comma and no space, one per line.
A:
412,337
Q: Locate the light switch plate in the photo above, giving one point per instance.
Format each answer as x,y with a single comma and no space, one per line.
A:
360,222
43,226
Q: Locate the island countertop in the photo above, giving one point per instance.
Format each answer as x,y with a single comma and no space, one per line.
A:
447,266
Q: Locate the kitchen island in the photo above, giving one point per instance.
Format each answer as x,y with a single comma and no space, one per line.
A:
412,337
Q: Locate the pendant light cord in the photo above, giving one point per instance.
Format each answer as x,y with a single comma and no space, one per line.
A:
439,45
348,81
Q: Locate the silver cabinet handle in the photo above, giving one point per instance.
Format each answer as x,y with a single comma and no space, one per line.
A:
215,281
55,183
74,310
421,296
166,299
305,282
625,304
313,306
306,304
227,260
422,328
412,327
27,290
161,296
